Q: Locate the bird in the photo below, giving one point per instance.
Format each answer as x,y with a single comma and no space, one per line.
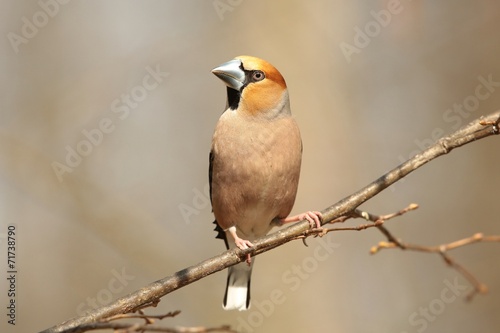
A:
254,165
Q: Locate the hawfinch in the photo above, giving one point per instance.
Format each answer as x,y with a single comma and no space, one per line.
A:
254,164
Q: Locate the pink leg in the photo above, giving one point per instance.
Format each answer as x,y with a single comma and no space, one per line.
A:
242,244
314,218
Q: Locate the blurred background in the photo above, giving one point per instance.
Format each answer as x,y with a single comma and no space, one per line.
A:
106,115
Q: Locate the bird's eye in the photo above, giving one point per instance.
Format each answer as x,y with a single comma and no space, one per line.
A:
258,76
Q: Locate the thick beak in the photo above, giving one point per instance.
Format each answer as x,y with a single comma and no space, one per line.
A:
231,73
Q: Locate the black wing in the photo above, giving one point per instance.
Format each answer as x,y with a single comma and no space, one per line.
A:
220,233
210,170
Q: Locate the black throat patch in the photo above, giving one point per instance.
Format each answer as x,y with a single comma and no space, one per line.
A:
233,98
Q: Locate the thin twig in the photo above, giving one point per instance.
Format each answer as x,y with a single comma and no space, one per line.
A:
378,221
110,323
478,286
130,328
394,242
148,318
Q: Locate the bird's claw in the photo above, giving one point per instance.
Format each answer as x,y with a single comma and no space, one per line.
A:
313,217
243,244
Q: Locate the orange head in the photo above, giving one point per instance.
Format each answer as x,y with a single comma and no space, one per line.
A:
255,87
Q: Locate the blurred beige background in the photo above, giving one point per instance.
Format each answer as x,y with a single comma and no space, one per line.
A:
127,86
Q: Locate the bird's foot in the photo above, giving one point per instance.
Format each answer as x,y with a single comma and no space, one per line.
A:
314,218
241,243
244,244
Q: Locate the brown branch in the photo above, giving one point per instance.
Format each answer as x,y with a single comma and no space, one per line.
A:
147,326
479,287
394,242
376,219
148,318
130,328
151,293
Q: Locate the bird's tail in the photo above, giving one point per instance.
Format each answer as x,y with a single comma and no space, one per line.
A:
237,296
